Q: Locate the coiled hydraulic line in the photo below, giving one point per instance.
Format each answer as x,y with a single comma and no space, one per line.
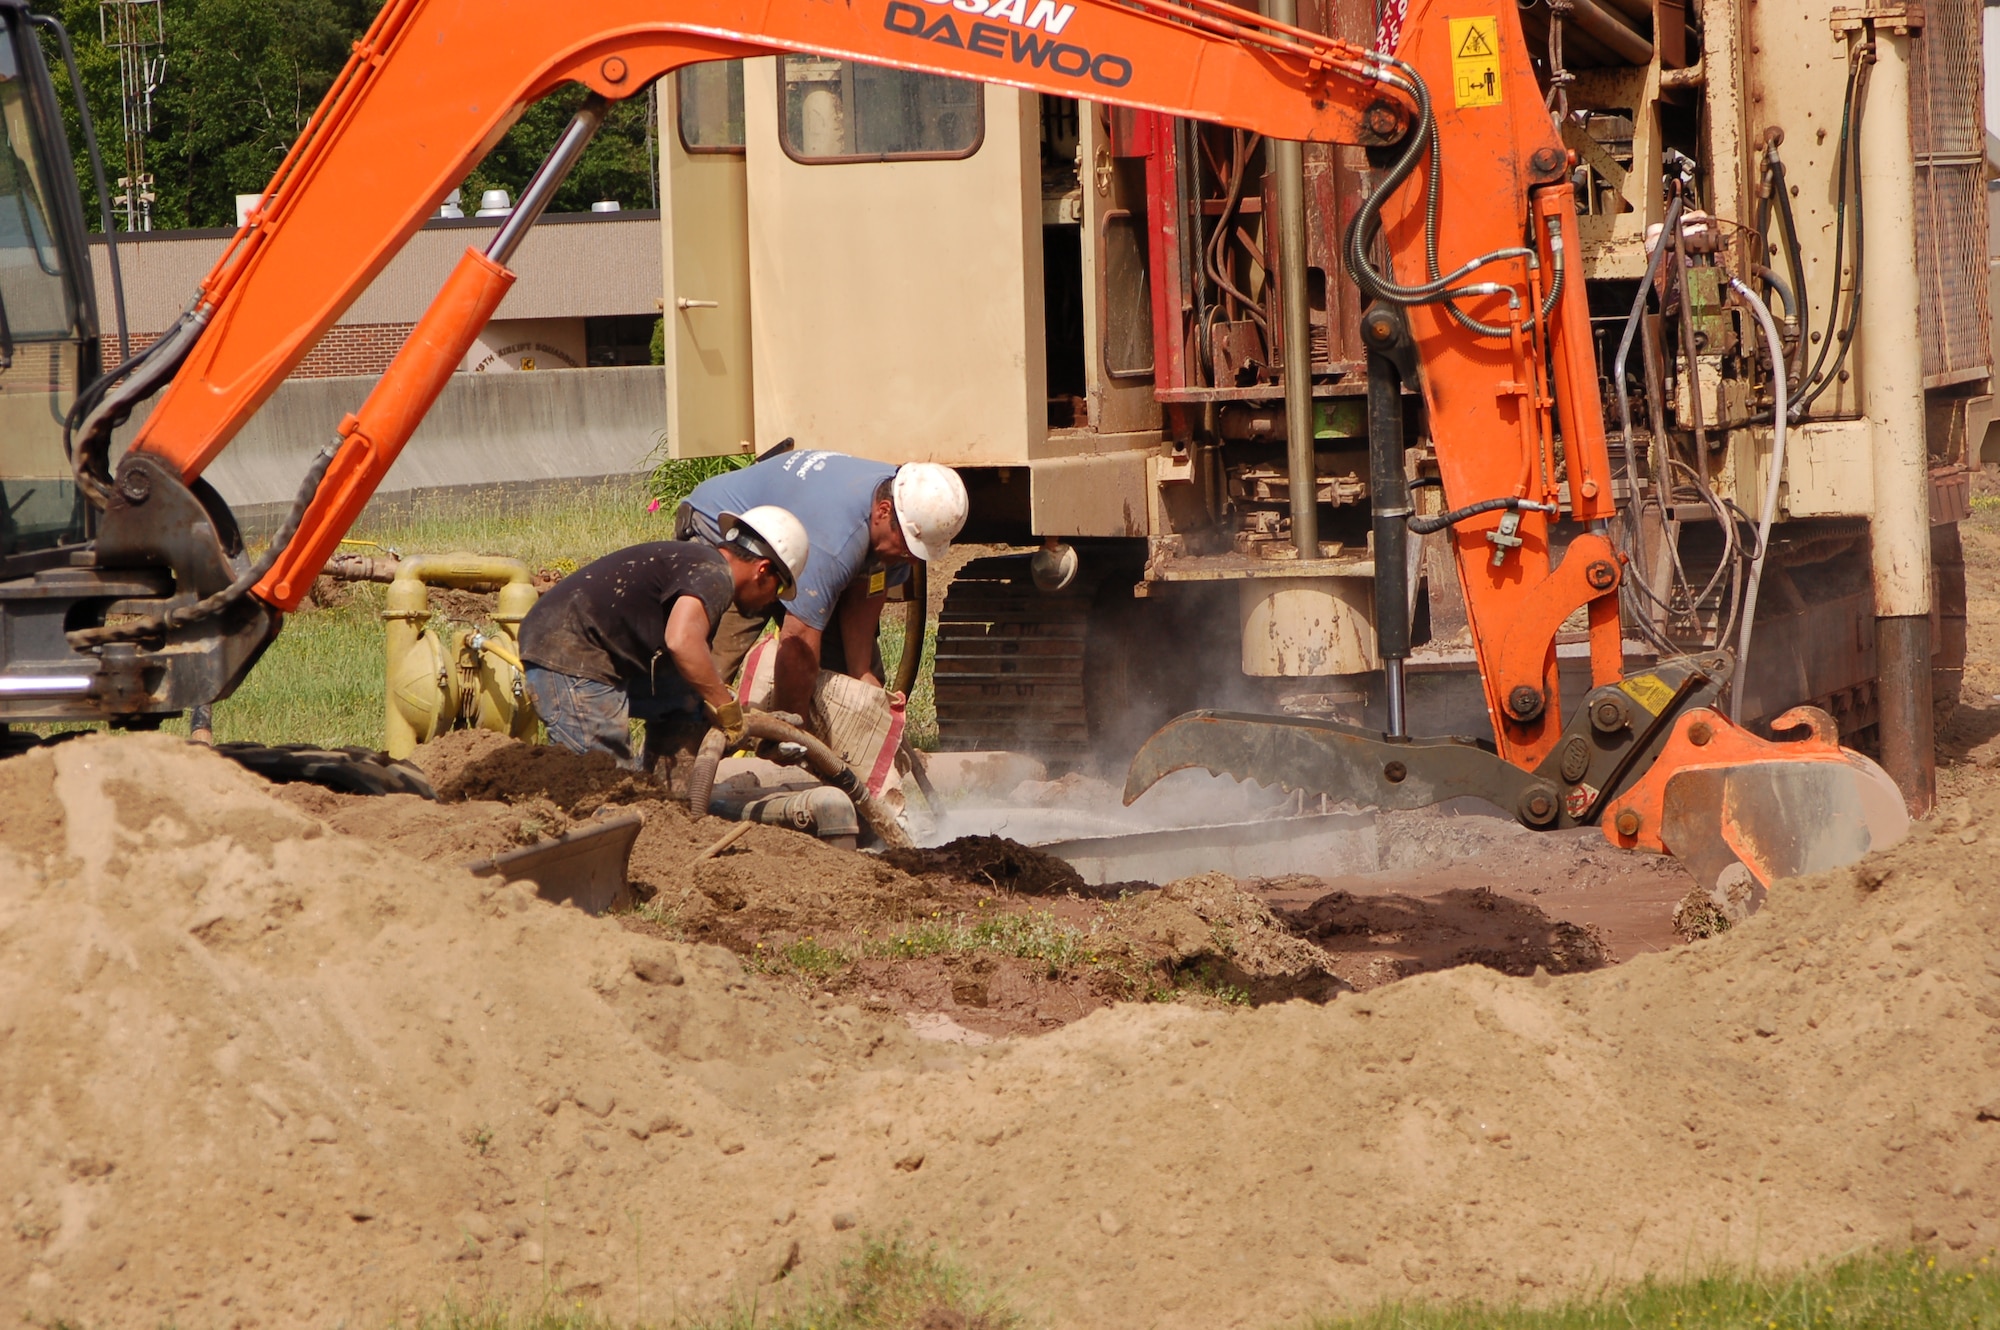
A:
1361,232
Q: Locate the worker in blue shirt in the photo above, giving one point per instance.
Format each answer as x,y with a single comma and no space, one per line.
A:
867,522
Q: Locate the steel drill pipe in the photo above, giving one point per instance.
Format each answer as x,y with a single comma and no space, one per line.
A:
1288,164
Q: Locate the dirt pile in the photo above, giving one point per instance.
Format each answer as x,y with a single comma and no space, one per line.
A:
254,1070
479,764
1212,930
993,936
1000,865
245,1059
1378,939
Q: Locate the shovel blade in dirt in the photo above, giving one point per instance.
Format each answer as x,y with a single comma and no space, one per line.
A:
585,866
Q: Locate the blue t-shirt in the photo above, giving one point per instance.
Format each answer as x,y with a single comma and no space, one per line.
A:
832,495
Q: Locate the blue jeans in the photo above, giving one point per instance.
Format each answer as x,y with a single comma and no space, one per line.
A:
586,716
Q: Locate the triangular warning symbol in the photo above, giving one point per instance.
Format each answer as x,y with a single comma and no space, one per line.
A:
1475,44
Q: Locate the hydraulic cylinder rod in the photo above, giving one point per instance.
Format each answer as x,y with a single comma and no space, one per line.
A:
373,437
1384,333
1288,163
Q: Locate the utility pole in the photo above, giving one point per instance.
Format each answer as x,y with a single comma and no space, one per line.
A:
136,29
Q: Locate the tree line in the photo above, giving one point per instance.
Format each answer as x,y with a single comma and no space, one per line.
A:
243,77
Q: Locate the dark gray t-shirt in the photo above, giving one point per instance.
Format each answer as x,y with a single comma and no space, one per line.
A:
608,620
832,495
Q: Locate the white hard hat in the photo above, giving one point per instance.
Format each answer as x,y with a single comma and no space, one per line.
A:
930,507
770,532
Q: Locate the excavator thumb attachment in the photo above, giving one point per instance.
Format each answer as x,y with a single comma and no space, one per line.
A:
1719,796
1713,795
1340,761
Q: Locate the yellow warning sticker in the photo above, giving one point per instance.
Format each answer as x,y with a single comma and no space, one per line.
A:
878,583
1475,61
1648,691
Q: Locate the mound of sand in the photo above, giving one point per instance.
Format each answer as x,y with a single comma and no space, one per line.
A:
254,1070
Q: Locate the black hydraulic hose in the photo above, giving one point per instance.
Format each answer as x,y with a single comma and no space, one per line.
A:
1850,159
1769,277
210,606
88,125
1689,346
1800,309
1632,321
1425,526
1556,268
1217,245
109,403
1367,221
828,765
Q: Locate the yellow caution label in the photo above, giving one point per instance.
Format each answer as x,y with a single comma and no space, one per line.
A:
1648,692
1475,61
878,583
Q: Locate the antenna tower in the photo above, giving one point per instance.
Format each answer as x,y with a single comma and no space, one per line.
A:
136,29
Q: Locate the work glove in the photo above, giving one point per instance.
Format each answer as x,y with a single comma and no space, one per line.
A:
729,719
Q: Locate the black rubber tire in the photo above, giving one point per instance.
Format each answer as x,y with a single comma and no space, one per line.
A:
348,770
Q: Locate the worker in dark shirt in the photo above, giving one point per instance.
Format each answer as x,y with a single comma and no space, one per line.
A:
627,637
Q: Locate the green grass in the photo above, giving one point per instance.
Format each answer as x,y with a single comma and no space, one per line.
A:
559,526
896,1285
920,712
1058,947
1908,1291
674,478
802,956
892,1285
322,681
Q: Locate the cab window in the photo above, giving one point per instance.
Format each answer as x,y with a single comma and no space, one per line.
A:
846,111
711,107
34,297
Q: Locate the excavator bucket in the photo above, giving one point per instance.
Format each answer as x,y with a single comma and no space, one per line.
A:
1719,796
1714,795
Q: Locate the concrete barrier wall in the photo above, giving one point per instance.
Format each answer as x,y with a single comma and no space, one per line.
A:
570,265
486,429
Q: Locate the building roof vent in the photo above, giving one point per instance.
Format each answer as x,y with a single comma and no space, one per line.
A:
605,205
454,204
494,203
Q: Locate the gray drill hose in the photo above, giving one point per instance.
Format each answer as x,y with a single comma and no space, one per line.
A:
701,779
829,767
